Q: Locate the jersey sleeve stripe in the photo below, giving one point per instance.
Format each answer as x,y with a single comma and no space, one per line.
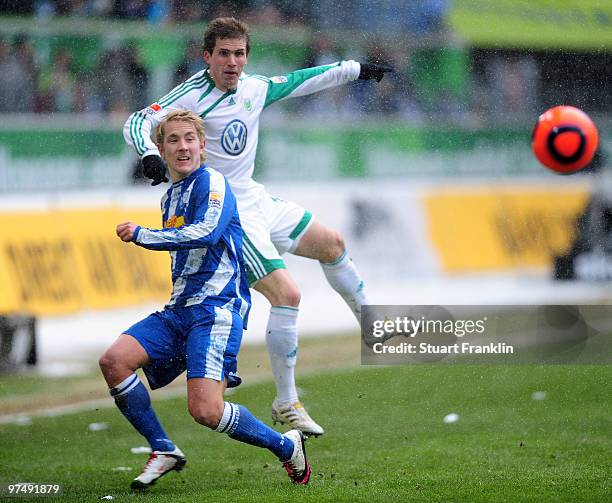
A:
172,97
138,118
136,121
141,121
181,90
198,77
188,233
133,133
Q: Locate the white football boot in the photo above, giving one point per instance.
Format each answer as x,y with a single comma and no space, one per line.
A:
158,464
297,465
295,415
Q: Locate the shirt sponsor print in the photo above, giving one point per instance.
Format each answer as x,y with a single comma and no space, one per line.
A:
175,222
214,200
234,137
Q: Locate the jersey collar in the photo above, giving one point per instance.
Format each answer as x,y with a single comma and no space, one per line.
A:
192,176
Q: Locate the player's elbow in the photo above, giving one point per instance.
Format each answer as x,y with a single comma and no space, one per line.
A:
127,130
130,128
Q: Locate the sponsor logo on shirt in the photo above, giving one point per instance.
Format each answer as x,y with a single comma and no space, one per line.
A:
281,79
234,137
214,200
153,108
174,222
231,101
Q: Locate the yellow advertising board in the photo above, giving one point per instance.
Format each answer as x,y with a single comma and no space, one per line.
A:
61,261
542,24
486,228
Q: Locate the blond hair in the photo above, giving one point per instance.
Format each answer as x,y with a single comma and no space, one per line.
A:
184,116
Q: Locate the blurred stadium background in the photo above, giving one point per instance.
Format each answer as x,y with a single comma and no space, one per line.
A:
429,174
430,177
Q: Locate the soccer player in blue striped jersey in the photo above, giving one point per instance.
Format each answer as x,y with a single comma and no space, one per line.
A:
200,328
231,102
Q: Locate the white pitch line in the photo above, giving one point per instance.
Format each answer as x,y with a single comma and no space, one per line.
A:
62,410
99,403
106,403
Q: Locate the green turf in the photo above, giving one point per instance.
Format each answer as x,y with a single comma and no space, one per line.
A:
385,441
31,383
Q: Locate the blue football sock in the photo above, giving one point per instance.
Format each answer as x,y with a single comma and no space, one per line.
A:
241,425
132,399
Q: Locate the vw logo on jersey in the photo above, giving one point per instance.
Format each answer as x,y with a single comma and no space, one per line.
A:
234,137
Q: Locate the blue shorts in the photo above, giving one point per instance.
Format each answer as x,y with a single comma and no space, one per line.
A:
204,340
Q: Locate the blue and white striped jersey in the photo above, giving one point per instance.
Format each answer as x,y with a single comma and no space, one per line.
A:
202,231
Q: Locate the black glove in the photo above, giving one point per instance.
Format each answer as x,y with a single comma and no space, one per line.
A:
154,168
371,71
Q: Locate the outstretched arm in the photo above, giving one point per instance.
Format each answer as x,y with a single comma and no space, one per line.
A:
213,214
311,80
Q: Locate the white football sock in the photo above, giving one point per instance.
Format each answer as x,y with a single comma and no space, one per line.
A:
282,342
343,277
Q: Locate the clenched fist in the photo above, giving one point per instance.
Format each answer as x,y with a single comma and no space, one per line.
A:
125,231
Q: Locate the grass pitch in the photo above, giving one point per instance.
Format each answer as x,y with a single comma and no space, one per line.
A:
385,440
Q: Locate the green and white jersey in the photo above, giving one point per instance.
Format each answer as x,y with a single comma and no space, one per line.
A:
231,119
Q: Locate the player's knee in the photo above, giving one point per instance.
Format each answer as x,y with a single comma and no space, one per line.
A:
207,414
334,247
288,295
107,363
113,363
279,289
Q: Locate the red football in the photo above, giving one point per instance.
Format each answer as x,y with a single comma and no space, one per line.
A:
564,139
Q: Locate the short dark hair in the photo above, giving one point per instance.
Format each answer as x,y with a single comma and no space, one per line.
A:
225,27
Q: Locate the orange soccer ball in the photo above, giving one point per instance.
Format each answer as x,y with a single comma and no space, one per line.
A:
564,139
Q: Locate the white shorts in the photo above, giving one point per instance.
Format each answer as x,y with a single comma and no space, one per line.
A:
272,226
